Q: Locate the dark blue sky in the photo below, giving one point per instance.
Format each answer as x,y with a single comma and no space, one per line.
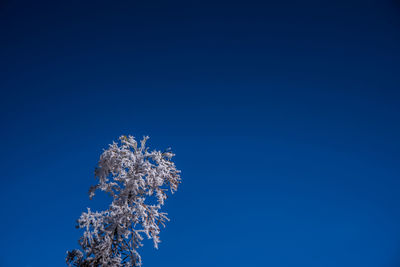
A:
284,117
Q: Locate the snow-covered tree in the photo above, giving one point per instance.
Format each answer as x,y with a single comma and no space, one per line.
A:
138,182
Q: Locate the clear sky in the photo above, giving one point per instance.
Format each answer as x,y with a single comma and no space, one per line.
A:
284,117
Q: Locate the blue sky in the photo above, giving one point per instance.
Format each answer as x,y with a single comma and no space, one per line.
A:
284,118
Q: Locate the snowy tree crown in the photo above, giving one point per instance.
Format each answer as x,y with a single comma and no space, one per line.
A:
138,181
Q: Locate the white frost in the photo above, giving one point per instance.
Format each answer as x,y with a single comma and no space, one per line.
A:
138,181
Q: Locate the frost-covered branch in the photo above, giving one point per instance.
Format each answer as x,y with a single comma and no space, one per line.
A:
138,182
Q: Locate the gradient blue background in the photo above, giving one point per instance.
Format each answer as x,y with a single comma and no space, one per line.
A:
284,117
